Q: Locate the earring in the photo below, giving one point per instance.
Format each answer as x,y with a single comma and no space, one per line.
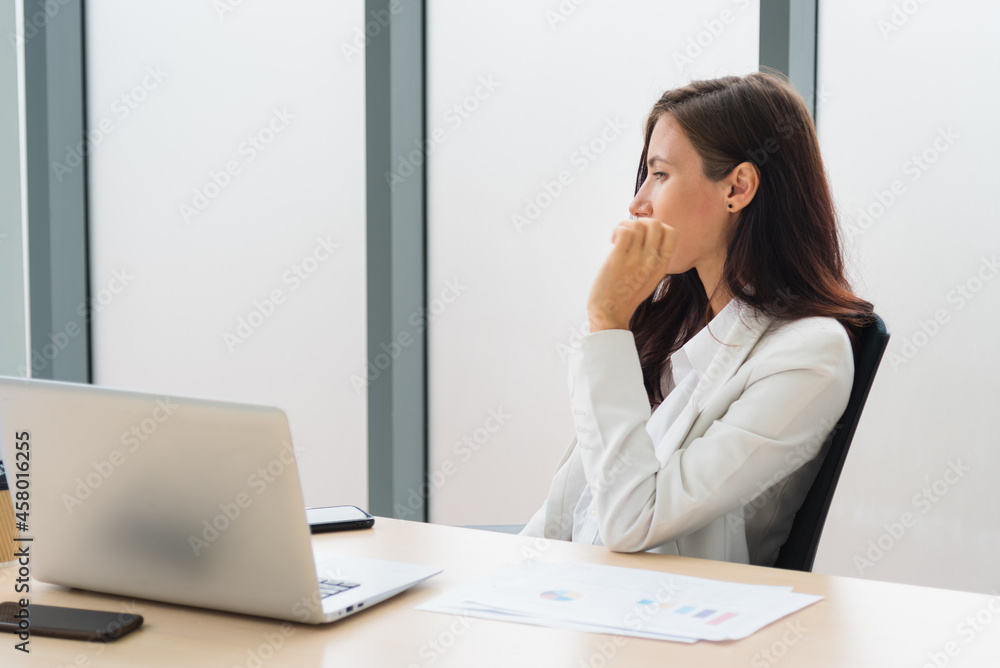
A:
730,206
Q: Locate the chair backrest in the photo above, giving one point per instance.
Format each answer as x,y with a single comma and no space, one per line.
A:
799,551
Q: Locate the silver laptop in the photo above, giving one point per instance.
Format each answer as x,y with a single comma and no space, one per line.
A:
177,499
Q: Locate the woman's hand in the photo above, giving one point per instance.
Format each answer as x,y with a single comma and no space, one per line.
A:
636,265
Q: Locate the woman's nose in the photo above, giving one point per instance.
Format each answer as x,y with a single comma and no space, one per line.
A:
639,208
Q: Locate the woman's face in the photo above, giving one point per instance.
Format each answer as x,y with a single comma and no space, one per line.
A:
678,193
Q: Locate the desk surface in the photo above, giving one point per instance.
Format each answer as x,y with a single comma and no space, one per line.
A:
858,623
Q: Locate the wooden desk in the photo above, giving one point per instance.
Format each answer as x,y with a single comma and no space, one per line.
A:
859,623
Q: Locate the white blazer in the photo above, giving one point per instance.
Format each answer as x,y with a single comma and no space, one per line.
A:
733,468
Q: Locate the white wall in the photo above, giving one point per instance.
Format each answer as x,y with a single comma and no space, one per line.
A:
558,82
175,90
902,87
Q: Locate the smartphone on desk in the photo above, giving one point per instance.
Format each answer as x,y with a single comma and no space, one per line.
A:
338,518
71,623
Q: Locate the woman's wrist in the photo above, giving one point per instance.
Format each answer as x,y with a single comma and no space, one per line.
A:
602,326
609,316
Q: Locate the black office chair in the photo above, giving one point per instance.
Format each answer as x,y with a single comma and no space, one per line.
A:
799,551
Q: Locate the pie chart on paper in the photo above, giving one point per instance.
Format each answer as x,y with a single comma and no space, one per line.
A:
561,595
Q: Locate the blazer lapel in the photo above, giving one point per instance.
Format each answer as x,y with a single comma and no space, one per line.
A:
744,333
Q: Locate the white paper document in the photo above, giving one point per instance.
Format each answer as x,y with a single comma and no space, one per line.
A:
621,601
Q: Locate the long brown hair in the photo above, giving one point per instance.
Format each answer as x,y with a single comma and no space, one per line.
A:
784,256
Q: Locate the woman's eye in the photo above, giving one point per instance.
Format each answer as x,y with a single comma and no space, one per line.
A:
659,174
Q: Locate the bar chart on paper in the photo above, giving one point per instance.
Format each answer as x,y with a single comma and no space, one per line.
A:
712,617
627,601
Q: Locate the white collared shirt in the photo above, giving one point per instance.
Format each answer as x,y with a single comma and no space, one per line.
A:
677,387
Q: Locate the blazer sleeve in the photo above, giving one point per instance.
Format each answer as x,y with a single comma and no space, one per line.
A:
799,383
536,525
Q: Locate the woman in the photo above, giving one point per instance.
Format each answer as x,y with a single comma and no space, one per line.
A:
720,353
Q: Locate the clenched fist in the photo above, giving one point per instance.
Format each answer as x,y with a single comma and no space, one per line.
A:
635,266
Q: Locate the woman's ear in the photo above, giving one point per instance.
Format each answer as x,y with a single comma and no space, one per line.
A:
743,182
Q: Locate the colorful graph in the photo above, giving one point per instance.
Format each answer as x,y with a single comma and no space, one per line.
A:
721,618
561,595
655,605
704,613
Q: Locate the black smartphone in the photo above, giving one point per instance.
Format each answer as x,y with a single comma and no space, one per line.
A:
72,623
338,518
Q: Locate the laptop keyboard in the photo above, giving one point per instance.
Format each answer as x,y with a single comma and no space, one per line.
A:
328,588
